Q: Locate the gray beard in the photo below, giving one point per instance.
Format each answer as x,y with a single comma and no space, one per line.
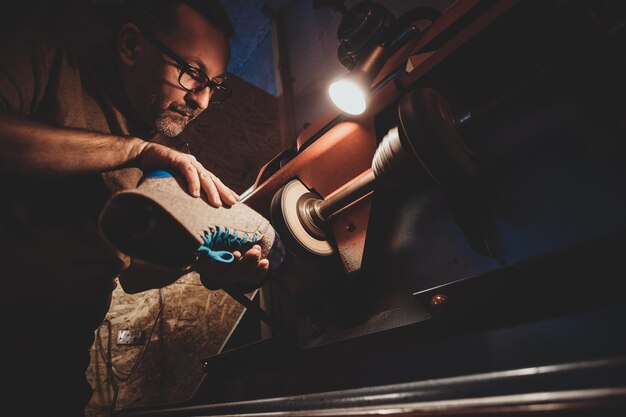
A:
168,124
168,127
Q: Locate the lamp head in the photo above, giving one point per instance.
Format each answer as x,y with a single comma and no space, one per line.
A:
351,92
368,34
362,50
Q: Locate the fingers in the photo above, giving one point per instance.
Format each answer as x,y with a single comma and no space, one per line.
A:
252,268
227,195
249,267
213,187
221,193
155,156
193,182
207,180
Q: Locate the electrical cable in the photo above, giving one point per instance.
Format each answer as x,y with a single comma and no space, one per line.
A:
114,374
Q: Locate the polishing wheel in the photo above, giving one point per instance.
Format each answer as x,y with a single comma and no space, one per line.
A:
425,140
290,217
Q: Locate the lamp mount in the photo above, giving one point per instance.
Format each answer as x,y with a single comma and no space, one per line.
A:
336,5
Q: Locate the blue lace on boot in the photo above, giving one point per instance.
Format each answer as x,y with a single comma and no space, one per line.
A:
219,244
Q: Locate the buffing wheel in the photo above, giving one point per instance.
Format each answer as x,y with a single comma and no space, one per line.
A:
284,212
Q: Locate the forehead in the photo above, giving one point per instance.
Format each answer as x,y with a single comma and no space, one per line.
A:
198,41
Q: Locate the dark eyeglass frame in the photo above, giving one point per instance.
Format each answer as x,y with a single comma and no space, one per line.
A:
192,71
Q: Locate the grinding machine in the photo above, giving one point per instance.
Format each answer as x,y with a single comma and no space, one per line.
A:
457,247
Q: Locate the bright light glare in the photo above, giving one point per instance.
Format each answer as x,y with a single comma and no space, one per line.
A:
348,96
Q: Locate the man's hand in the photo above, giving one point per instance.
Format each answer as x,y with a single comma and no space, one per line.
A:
155,156
249,268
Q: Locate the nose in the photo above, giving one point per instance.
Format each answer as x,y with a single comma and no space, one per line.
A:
200,98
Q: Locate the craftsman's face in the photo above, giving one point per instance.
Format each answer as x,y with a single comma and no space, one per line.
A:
155,90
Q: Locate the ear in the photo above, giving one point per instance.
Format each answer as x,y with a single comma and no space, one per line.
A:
129,43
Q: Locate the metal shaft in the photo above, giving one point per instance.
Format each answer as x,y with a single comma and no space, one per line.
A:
355,190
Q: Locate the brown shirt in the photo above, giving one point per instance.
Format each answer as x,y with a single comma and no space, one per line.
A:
50,246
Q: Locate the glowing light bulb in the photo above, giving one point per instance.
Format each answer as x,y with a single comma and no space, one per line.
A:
348,95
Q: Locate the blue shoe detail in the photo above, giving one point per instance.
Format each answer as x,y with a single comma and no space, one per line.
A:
219,244
158,173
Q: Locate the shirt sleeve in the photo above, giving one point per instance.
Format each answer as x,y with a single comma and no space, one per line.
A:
26,65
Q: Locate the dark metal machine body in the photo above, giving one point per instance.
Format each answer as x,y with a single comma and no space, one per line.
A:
481,273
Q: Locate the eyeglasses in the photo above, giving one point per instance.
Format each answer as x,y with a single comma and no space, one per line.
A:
192,78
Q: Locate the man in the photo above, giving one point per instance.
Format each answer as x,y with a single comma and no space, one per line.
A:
77,124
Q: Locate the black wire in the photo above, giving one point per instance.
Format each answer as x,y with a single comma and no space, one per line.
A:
109,364
114,375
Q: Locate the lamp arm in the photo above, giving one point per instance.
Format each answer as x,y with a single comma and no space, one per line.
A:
397,36
404,28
